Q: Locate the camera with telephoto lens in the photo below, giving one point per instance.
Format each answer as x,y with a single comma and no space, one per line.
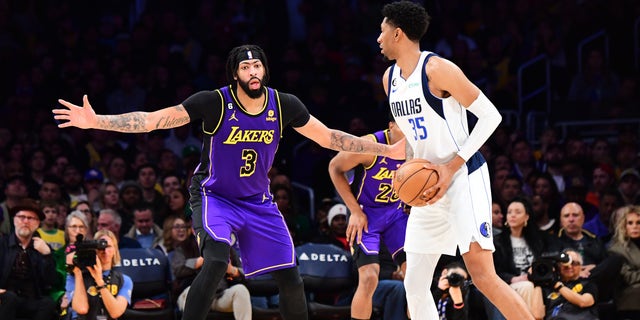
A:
86,251
455,279
543,270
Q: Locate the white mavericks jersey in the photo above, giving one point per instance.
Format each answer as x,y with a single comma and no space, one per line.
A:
434,127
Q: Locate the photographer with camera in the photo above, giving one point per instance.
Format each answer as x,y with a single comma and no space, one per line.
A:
570,296
96,291
519,244
452,291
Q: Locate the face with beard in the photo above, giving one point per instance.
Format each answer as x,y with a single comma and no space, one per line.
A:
252,93
26,223
249,77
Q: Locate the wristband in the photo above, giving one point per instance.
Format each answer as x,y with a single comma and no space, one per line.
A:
558,287
458,305
98,288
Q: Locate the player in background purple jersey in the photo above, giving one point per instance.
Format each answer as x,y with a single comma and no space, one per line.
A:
376,214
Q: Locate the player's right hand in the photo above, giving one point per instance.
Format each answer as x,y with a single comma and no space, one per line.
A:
82,117
357,222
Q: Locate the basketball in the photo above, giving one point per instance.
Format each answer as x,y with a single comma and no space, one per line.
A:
412,179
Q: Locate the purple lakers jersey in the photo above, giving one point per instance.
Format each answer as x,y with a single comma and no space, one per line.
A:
374,184
242,147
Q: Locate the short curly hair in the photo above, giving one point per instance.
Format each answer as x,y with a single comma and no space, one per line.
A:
411,17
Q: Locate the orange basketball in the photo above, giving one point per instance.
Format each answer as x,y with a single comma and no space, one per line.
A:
412,179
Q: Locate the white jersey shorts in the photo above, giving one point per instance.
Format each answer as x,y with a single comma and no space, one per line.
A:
461,216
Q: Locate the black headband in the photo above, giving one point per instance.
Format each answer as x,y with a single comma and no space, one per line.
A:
248,55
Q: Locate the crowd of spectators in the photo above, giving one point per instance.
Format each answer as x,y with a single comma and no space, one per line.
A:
143,55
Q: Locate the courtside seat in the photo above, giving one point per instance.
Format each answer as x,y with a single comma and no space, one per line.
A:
327,272
151,275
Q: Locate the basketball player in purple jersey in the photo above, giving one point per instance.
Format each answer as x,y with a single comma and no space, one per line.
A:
445,119
242,125
376,214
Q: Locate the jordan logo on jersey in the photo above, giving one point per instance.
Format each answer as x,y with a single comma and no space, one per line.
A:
233,116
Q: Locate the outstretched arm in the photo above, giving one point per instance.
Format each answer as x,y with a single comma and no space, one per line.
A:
84,117
342,141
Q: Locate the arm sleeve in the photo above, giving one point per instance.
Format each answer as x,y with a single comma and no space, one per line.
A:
488,120
294,112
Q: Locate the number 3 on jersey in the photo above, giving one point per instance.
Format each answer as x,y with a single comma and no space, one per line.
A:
250,157
418,127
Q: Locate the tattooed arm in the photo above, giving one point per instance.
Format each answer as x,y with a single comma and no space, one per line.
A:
84,117
342,141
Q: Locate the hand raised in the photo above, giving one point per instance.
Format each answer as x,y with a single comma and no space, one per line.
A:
41,246
82,117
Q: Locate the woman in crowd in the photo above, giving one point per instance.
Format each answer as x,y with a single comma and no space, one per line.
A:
175,230
109,197
626,242
186,262
519,244
76,223
177,201
99,291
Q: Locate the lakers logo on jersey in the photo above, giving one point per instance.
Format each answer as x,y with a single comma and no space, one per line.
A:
271,116
233,116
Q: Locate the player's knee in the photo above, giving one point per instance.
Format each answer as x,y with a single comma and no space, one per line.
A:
368,279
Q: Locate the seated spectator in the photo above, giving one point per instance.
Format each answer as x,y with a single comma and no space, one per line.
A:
231,294
451,292
600,225
299,224
76,224
15,190
629,186
600,268
48,230
626,243
174,231
144,230
497,217
571,297
110,220
109,197
541,216
99,291
28,267
84,207
517,246
337,221
178,199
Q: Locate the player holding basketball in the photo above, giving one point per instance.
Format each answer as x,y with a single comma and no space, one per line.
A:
445,119
242,125
376,212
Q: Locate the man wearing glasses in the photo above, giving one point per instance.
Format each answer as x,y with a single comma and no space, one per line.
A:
27,267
